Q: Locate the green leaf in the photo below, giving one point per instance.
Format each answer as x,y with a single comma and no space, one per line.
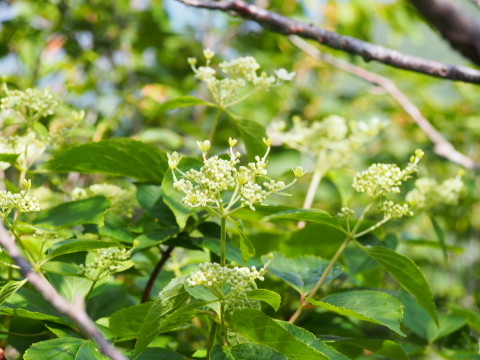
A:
457,250
308,215
88,211
472,316
150,198
247,351
373,306
153,238
153,353
246,247
76,245
407,274
9,158
387,348
114,157
181,102
70,287
171,298
440,236
418,321
252,134
303,272
27,304
62,268
270,297
289,340
310,339
126,323
63,349
10,288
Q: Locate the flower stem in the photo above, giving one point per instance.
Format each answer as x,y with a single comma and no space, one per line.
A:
322,278
211,338
214,124
223,239
312,189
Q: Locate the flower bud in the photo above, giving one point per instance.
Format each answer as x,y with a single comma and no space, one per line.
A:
298,172
173,159
267,141
27,184
232,142
192,61
204,146
208,54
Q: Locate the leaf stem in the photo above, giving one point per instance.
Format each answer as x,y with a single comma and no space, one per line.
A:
312,189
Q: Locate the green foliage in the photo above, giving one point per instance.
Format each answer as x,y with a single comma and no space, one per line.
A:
187,250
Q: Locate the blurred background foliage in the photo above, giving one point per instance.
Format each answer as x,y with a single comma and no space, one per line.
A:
120,60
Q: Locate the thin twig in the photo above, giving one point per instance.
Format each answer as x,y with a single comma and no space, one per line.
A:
75,311
366,50
441,145
154,274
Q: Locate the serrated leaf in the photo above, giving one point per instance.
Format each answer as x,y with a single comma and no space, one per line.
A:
64,348
373,306
126,323
407,274
247,351
88,211
440,236
150,198
181,102
153,238
171,298
25,303
289,340
246,247
270,297
76,245
9,158
252,134
302,272
386,348
114,157
10,288
154,353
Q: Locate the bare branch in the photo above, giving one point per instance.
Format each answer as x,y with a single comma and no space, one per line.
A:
366,50
455,25
441,145
75,312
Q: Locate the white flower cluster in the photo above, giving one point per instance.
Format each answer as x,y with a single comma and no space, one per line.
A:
345,212
108,262
46,197
381,179
332,141
393,210
428,193
32,103
239,72
20,201
122,201
206,187
231,284
28,147
45,235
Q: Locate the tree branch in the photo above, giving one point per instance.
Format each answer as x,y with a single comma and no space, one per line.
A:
367,51
75,312
441,146
454,24
154,274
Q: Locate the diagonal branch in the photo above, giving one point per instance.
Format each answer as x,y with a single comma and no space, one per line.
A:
366,50
73,311
441,145
455,25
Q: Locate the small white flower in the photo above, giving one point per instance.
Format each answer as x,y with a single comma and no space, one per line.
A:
284,75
